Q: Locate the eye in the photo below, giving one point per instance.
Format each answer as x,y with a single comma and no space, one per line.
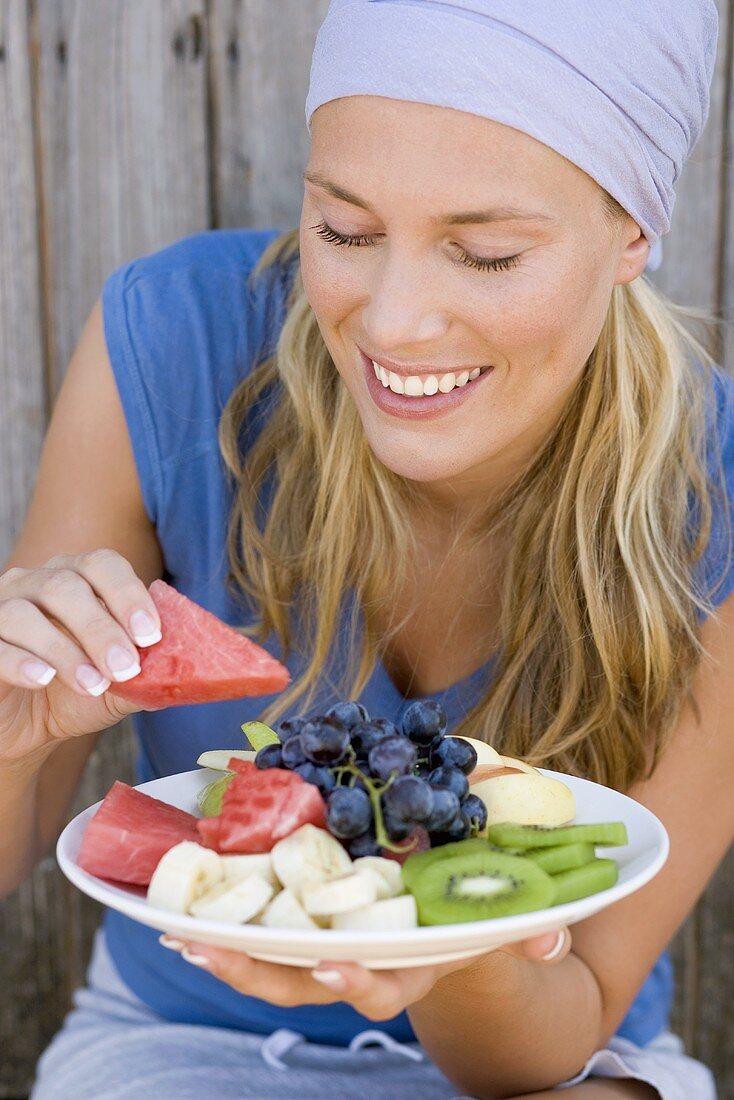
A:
479,263
328,234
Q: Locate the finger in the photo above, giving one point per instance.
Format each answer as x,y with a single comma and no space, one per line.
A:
377,994
69,599
127,599
281,985
549,948
28,639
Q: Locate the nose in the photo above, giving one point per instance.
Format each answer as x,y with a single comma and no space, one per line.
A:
403,308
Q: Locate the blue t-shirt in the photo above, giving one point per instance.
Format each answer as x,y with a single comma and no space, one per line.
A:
183,327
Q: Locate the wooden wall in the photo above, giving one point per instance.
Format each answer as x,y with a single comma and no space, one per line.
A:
124,125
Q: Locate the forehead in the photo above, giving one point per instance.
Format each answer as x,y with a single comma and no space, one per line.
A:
427,151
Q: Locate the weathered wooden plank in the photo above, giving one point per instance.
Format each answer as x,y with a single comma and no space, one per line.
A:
22,401
714,1040
46,928
123,106
727,250
260,60
690,272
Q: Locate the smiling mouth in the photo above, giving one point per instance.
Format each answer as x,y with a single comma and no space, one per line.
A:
415,385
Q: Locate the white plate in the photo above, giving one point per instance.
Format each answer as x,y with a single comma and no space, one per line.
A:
638,862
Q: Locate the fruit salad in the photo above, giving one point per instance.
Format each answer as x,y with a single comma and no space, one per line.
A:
344,821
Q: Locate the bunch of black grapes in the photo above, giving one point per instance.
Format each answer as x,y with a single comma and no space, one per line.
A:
380,782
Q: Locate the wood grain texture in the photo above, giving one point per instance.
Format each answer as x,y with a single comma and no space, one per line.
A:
122,94
22,399
260,59
124,125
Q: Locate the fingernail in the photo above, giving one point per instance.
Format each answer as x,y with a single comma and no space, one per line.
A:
38,672
91,680
331,978
144,629
124,666
169,941
557,948
197,960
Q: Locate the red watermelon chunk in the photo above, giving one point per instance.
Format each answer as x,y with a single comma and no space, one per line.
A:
259,808
199,659
130,832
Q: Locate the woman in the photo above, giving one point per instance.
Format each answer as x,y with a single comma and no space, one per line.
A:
473,456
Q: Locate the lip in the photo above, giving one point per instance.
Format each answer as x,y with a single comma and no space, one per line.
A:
421,372
416,408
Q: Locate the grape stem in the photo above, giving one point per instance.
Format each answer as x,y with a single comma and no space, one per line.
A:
375,789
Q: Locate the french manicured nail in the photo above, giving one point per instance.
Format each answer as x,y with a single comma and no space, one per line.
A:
197,960
330,978
38,672
124,666
169,941
91,680
557,948
144,629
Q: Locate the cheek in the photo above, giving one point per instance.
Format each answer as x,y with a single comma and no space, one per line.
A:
331,282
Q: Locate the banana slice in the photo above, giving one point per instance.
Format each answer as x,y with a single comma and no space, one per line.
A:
218,759
387,870
241,866
233,902
339,895
286,911
388,915
309,855
183,874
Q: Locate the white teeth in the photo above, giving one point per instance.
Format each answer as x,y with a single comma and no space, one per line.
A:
415,386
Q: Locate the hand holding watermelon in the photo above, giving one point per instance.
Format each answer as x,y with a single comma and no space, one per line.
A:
66,629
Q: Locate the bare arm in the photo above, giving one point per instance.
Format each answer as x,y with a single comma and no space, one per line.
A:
87,496
508,1025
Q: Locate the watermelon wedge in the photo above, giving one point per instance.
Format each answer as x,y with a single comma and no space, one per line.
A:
259,808
130,832
199,659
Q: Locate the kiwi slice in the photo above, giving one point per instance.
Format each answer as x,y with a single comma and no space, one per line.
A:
561,858
579,882
479,885
415,864
607,834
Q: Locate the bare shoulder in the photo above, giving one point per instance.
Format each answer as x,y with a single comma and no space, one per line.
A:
87,492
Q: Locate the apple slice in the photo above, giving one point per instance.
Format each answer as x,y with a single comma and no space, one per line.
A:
526,799
218,759
519,765
490,771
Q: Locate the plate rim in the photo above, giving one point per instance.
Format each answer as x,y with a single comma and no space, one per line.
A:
426,936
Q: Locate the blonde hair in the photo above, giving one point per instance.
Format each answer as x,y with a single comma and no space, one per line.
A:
598,629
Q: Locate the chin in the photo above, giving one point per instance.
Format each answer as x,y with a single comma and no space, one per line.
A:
416,462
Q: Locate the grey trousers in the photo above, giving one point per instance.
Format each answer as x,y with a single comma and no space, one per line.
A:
113,1047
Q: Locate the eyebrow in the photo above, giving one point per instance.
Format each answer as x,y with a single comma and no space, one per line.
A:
469,217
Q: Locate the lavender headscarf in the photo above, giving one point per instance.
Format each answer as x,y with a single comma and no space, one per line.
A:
618,87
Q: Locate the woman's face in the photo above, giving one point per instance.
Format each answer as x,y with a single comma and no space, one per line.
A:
435,243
